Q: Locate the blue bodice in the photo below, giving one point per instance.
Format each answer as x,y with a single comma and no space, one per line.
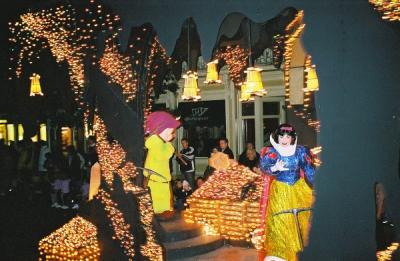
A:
300,160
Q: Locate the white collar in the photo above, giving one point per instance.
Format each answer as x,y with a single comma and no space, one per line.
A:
283,151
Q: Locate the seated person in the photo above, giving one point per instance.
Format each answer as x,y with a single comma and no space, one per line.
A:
249,145
199,182
182,194
250,160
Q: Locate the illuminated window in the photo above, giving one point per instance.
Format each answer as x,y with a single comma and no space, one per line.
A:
66,137
3,131
43,132
20,132
10,132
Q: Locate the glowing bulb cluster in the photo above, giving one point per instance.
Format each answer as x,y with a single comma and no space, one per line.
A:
236,59
390,9
119,69
112,159
76,240
386,255
293,31
217,204
67,33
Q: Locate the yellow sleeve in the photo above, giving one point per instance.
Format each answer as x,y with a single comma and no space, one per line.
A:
153,141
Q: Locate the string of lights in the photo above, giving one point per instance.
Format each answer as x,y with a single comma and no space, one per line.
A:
119,69
390,9
236,59
68,35
112,160
293,32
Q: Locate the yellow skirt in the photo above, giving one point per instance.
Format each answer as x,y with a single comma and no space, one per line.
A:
161,196
282,239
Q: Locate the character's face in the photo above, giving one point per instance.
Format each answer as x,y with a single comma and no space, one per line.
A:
284,140
223,144
179,184
168,134
185,144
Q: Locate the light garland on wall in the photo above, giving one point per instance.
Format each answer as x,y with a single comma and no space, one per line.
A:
278,46
119,69
76,240
69,38
112,160
293,31
386,255
236,59
121,229
390,9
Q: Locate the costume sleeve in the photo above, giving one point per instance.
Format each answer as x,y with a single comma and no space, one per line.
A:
268,159
152,142
306,164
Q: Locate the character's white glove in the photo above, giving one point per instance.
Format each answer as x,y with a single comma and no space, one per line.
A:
279,166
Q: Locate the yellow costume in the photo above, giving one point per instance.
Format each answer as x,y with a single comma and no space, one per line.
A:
282,239
158,155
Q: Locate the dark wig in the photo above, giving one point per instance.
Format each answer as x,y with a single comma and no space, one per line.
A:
285,129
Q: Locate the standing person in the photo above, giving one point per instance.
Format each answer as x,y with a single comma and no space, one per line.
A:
186,160
43,150
288,193
161,126
74,169
94,171
224,147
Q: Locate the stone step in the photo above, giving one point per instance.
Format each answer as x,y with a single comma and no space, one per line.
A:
178,229
225,253
192,246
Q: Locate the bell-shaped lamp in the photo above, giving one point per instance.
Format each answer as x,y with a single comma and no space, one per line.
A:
253,82
190,88
312,83
245,94
212,73
35,85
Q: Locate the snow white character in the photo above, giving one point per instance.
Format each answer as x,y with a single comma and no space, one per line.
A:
161,128
290,198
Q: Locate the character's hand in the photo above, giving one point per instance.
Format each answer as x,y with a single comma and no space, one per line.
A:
279,166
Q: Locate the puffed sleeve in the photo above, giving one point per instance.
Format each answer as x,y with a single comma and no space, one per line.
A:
268,158
306,164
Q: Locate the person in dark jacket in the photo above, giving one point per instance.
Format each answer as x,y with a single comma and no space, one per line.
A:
224,147
249,145
186,160
250,160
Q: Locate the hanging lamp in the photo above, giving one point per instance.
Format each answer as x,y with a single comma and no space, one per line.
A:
212,73
253,85
253,82
245,94
312,83
35,85
190,87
